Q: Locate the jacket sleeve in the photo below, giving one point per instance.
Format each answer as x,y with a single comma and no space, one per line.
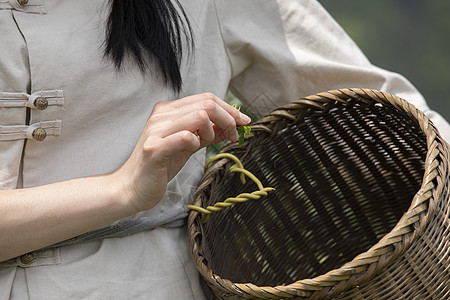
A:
281,50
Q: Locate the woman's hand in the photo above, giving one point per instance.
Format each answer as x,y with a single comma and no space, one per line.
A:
174,131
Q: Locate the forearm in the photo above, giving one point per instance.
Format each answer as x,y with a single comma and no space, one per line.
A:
37,217
33,218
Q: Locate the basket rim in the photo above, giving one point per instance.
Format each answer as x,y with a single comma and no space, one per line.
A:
389,247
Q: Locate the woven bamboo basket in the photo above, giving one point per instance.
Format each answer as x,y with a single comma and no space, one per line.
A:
360,208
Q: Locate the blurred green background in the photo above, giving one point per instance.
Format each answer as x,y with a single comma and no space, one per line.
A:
410,37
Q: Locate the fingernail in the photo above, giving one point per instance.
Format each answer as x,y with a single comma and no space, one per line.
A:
245,119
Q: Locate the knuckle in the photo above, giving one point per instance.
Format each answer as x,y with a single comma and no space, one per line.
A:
209,105
202,116
150,149
187,138
156,117
230,125
208,95
159,106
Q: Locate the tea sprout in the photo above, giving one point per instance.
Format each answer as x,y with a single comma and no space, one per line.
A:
243,131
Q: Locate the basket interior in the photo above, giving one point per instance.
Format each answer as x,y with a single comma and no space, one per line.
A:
343,179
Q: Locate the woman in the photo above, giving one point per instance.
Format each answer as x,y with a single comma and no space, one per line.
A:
97,164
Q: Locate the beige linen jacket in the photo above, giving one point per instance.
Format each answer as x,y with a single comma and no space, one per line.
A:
55,82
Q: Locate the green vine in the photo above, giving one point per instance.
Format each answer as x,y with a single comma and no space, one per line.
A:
239,168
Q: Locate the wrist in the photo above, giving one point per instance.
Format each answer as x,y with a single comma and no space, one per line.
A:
120,193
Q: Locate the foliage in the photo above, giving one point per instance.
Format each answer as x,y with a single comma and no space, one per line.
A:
410,37
234,101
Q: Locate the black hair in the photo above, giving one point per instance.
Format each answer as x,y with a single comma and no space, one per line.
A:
151,31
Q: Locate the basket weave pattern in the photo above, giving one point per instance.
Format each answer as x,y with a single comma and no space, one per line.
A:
360,209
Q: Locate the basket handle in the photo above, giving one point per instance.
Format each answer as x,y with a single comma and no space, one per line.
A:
238,167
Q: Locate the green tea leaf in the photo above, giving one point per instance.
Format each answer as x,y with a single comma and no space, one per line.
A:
247,130
244,131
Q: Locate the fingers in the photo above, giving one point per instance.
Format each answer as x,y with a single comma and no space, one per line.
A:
203,122
200,114
197,122
163,149
205,129
174,131
205,101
